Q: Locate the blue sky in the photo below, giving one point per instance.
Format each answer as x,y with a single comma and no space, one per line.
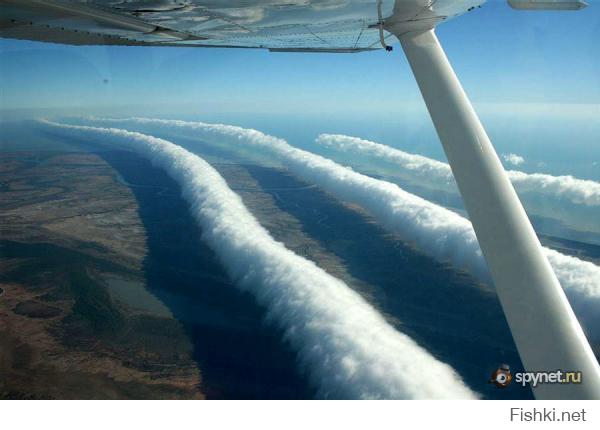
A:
500,55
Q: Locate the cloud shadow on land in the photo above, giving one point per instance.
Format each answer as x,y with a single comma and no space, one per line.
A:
436,306
239,356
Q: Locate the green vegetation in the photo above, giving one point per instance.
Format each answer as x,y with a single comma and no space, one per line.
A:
93,305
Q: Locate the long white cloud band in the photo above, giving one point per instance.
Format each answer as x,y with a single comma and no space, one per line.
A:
348,348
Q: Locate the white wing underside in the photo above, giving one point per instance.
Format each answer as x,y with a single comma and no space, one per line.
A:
288,25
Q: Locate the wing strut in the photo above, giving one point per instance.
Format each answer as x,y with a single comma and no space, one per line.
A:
544,327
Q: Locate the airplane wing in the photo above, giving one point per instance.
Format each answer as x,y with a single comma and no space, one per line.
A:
279,25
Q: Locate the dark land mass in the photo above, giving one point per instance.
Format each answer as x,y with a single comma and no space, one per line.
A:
65,225
583,251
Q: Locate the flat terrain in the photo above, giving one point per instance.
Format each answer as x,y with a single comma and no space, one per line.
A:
67,228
